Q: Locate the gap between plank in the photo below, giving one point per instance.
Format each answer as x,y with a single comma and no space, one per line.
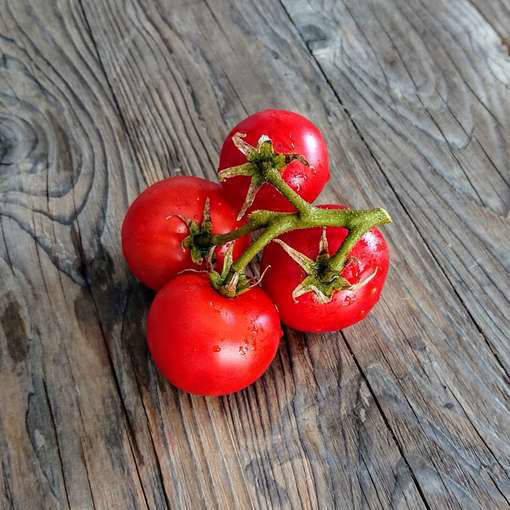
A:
59,452
503,38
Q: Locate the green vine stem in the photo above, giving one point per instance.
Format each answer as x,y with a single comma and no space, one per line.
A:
357,221
275,178
267,166
274,229
359,225
256,221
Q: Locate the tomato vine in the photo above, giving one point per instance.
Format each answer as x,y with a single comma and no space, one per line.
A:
264,165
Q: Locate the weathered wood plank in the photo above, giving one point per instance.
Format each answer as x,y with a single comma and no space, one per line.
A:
284,455
409,408
65,438
431,373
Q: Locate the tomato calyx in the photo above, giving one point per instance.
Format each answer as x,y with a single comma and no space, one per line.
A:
199,240
229,283
321,279
263,165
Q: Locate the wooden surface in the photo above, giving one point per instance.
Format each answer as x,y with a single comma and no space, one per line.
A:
409,409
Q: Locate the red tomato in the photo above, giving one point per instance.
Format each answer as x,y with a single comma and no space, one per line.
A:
290,133
208,344
153,229
347,307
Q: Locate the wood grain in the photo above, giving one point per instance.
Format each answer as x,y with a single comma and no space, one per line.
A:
408,409
66,437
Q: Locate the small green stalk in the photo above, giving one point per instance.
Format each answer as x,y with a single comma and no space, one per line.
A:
256,221
275,178
276,228
358,226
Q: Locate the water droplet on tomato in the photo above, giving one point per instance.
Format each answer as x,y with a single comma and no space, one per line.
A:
216,348
243,350
374,290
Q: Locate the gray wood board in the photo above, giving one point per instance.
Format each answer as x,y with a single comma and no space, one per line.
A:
408,409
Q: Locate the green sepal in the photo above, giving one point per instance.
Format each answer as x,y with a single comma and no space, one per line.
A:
260,160
227,283
321,280
199,240
323,290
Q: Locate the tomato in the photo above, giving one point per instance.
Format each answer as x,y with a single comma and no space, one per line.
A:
366,269
155,227
290,133
208,344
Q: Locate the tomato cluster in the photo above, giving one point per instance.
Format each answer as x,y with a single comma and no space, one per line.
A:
210,329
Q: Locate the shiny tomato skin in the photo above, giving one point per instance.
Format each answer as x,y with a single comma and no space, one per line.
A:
152,232
347,307
208,344
289,132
